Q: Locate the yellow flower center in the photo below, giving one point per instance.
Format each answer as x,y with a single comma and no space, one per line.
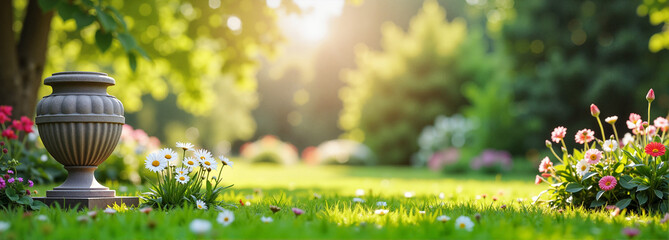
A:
583,168
199,206
202,158
462,225
207,163
182,178
155,163
607,183
226,219
190,163
593,157
168,156
655,150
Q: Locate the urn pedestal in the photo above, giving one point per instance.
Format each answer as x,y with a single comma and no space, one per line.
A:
80,125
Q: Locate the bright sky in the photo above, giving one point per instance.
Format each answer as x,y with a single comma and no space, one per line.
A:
314,22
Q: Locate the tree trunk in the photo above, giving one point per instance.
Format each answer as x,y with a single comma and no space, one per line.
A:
22,62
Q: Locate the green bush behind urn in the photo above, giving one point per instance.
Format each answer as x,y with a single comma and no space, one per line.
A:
126,162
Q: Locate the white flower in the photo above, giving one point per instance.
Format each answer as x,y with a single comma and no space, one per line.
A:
627,139
408,194
381,204
44,158
168,154
226,161
358,200
582,167
443,218
200,204
464,223
201,154
182,178
42,218
181,170
266,219
199,226
610,145
442,195
4,226
155,162
109,211
226,217
421,212
381,211
209,163
190,162
360,192
184,146
83,218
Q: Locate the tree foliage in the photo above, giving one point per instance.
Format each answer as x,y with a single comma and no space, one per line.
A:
658,12
394,93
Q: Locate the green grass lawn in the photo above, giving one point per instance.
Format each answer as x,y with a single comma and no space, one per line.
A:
326,194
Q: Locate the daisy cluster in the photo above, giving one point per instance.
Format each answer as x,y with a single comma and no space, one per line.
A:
607,171
183,178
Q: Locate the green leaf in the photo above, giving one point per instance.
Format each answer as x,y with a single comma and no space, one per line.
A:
658,193
103,40
132,60
642,187
588,175
634,159
48,5
574,187
623,203
88,3
11,194
127,41
599,194
642,198
619,168
597,203
106,20
37,205
119,16
83,19
625,182
66,11
25,200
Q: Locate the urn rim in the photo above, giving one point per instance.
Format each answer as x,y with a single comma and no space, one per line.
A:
79,77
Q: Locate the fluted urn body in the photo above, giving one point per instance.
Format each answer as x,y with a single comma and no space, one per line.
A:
80,125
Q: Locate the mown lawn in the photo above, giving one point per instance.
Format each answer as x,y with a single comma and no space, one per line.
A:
326,194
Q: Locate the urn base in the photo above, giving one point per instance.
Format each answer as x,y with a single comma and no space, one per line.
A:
80,183
89,203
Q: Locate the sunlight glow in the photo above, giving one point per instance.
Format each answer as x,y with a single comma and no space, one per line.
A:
273,3
313,23
234,23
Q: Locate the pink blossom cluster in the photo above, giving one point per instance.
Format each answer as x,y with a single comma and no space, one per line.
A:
24,124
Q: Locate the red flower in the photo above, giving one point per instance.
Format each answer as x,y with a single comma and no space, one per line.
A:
7,110
16,124
655,149
27,124
9,133
3,118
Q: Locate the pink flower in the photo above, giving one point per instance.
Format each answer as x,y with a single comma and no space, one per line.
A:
7,110
593,156
10,171
650,96
545,165
30,183
558,134
27,124
662,124
16,124
594,110
537,180
634,121
651,131
584,136
3,118
3,184
19,179
607,183
9,134
298,211
11,180
631,232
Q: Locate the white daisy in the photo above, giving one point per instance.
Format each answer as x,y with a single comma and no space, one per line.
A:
408,194
421,212
209,163
627,139
610,145
190,162
201,154
266,219
168,154
381,211
200,204
464,223
358,200
4,226
360,192
442,195
184,146
182,178
582,167
181,170
225,218
42,218
443,218
200,226
226,161
155,162
381,204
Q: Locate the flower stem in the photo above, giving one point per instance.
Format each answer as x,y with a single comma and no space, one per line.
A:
601,128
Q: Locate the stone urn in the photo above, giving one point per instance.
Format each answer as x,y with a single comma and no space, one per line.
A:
80,125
